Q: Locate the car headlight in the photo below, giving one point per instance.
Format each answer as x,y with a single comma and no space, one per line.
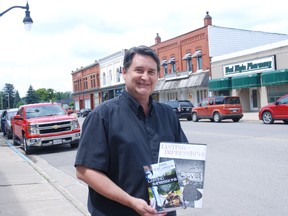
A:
74,124
33,129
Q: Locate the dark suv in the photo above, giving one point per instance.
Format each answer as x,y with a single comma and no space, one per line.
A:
83,112
182,108
218,108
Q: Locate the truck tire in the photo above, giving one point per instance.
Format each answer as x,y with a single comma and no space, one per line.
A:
74,145
26,148
14,139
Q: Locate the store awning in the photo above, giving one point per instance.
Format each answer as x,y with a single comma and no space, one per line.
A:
220,84
246,81
159,85
198,80
194,80
276,77
169,85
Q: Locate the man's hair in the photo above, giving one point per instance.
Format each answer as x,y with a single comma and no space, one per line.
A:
141,50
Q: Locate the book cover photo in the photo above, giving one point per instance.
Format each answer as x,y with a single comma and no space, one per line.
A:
190,160
163,186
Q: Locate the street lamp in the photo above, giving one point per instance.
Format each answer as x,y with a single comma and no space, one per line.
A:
27,19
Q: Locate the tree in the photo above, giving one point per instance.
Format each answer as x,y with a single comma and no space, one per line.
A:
42,94
8,96
17,100
31,96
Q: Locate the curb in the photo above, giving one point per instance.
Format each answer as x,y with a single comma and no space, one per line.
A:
76,203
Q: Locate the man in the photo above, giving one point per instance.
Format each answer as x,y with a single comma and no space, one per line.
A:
123,134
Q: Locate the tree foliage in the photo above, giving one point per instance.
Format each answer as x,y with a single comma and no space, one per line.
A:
7,96
31,96
17,100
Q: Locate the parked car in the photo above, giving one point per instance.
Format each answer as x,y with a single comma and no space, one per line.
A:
1,111
44,124
218,108
83,112
6,121
182,108
275,111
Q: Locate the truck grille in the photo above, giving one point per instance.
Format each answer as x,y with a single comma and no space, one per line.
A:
54,127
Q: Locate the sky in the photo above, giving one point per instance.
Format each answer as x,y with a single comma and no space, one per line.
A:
69,34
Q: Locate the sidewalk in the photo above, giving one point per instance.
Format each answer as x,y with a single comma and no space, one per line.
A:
27,191
250,116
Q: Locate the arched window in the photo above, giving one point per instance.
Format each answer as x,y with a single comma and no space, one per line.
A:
198,56
188,58
164,65
172,61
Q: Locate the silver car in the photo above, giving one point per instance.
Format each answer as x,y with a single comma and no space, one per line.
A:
6,121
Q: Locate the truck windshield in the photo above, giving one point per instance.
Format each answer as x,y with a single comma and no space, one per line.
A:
39,111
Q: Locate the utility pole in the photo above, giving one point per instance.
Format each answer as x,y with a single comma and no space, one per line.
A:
8,100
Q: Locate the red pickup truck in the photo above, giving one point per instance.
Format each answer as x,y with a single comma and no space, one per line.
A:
44,124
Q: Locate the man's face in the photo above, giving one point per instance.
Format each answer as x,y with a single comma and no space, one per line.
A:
141,77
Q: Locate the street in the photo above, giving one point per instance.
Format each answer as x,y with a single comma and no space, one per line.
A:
246,168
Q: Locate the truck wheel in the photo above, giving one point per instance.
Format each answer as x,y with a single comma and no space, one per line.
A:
216,117
26,148
14,139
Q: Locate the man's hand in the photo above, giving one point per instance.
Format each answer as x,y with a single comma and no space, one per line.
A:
142,208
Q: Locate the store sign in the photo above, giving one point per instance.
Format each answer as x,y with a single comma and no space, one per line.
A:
257,65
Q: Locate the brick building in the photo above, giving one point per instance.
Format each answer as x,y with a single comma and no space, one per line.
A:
186,59
185,64
86,82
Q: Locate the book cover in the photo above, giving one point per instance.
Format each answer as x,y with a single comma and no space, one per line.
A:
190,162
163,186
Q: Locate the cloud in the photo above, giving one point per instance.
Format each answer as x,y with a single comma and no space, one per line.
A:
69,34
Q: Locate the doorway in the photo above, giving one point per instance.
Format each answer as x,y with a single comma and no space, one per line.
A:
253,99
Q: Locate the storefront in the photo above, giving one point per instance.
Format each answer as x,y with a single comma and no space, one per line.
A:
192,87
258,76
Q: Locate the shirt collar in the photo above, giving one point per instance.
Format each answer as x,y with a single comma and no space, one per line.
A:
134,105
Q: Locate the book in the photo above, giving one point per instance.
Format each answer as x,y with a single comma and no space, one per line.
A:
190,161
163,186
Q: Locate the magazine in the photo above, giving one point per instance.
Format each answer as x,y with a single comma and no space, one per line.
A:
190,162
163,186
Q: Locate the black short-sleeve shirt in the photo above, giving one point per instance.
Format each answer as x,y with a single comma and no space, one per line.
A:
118,139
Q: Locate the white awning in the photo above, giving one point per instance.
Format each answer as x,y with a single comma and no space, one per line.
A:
171,60
194,80
187,56
197,53
164,62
